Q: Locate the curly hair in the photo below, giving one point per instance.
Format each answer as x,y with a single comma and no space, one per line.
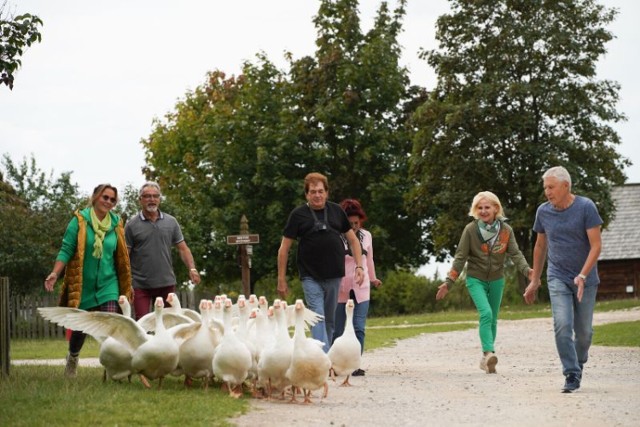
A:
353,208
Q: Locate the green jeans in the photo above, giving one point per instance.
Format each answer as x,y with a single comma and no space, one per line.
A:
487,297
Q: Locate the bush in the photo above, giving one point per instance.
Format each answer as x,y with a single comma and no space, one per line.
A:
389,298
515,284
405,293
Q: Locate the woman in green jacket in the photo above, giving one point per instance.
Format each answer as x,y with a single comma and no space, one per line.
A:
484,246
96,264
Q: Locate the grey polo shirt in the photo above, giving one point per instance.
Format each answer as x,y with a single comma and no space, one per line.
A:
149,246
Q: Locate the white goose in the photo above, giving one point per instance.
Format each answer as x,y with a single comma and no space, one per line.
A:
265,324
172,316
114,356
263,331
157,356
310,317
218,308
309,368
176,307
232,359
243,333
154,356
252,301
345,351
201,339
276,357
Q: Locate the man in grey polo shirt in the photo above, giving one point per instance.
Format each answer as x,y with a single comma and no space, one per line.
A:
150,236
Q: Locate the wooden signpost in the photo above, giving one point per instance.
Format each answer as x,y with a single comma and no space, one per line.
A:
244,241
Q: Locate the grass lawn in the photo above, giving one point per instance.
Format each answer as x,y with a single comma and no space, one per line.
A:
41,396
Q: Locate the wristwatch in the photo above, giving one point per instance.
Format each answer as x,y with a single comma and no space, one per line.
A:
582,276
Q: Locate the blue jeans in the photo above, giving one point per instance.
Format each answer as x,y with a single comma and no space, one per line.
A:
360,311
321,296
572,323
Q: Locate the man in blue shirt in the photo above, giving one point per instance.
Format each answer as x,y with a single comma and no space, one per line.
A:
568,235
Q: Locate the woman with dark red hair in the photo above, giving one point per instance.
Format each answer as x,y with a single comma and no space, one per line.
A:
349,289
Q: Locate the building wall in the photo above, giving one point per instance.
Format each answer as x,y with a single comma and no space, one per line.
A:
617,277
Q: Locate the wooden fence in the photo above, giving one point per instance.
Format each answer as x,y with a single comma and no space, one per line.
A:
4,327
24,321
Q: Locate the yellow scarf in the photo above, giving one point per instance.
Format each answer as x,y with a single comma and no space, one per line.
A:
100,228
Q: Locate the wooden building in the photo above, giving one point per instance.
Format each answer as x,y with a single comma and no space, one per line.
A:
619,262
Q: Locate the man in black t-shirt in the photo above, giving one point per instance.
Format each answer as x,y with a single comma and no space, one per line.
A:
317,226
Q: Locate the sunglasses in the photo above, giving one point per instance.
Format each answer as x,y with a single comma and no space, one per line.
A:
106,198
150,196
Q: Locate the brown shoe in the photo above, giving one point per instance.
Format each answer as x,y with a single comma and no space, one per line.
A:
72,366
491,362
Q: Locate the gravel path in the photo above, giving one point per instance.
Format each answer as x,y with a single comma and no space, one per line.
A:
434,379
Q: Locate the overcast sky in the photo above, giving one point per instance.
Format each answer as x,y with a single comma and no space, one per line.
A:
89,92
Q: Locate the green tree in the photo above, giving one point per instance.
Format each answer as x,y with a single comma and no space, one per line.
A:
34,212
129,203
242,145
517,93
353,101
16,33
205,156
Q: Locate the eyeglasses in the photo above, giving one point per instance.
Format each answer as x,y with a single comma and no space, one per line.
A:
150,196
106,198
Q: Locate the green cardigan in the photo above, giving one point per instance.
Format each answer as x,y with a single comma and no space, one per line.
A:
485,261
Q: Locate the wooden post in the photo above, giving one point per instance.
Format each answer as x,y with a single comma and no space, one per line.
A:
244,259
244,241
5,329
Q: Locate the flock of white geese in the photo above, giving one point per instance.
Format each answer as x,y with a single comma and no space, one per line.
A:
243,344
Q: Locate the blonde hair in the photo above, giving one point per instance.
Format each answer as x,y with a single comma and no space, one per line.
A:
489,197
97,192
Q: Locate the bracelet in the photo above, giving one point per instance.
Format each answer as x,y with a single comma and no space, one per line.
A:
194,269
357,266
582,276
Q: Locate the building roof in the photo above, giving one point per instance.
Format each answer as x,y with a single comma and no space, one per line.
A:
621,239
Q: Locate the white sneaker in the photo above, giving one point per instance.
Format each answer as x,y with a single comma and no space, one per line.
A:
483,364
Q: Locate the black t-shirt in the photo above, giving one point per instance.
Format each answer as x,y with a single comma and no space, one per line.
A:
320,253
